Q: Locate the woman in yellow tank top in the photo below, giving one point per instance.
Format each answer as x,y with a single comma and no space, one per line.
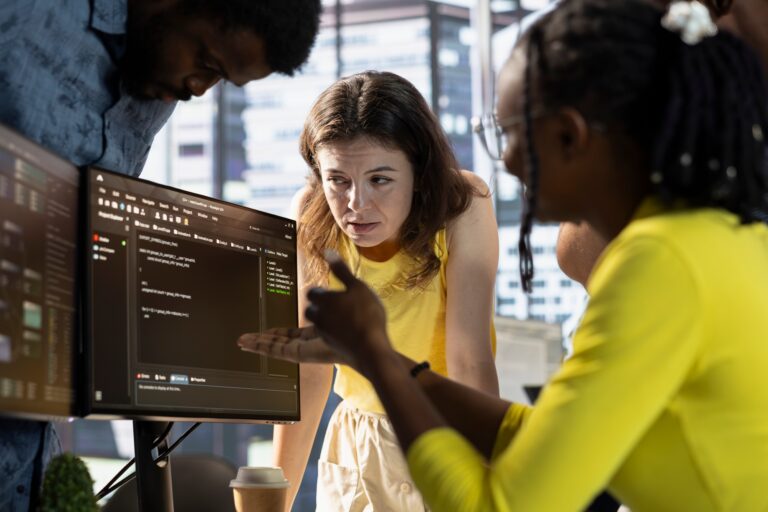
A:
386,192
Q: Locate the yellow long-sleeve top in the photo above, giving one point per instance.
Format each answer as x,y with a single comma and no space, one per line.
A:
665,400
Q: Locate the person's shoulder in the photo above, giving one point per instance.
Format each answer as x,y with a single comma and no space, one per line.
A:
695,241
478,183
687,227
477,220
479,199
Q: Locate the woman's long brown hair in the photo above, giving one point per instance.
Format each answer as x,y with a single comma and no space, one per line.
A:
388,110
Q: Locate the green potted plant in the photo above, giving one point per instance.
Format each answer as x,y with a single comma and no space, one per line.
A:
67,486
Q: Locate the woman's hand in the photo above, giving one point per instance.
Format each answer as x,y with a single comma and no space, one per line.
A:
299,344
349,326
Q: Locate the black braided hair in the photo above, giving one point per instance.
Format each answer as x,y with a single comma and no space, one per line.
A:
531,191
697,112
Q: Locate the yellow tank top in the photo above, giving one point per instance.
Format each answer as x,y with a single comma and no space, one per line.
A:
415,317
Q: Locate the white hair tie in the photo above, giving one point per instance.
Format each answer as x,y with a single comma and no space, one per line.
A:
691,20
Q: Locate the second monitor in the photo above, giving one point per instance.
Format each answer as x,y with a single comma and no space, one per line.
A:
172,280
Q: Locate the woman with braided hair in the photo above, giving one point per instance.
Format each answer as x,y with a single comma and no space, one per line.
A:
650,126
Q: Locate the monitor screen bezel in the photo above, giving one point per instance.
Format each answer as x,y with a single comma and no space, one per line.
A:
44,158
89,411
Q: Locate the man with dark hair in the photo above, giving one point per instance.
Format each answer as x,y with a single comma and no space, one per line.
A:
95,80
80,76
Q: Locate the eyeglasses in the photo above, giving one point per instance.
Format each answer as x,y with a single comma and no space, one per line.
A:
492,131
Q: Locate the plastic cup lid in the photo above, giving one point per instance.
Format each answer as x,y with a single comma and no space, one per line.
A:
259,477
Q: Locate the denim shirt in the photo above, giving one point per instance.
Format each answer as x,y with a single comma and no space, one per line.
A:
59,85
26,447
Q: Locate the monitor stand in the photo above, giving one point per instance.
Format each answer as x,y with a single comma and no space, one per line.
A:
153,479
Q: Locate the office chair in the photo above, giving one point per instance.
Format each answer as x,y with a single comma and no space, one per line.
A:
200,483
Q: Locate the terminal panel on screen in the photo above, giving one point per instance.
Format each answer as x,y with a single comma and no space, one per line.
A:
174,280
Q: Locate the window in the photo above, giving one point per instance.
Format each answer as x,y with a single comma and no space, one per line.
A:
190,150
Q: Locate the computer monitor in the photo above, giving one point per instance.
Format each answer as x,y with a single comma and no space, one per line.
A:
173,279
38,285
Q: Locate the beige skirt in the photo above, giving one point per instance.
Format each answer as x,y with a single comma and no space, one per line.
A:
361,467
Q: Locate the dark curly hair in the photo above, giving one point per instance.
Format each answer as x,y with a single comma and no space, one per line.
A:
388,109
697,112
288,27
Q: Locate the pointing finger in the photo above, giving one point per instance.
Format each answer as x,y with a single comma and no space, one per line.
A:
340,269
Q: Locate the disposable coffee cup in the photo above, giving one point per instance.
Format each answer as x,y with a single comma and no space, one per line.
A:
259,489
